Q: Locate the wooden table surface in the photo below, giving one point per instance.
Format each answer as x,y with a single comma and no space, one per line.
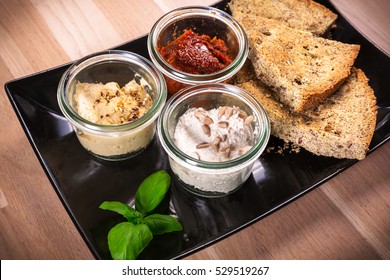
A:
348,217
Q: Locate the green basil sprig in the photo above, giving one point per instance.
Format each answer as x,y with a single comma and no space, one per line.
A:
128,239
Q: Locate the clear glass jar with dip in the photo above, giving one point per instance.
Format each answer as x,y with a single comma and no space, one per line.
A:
113,141
212,178
212,22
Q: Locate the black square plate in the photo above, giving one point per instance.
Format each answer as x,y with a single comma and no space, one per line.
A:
84,182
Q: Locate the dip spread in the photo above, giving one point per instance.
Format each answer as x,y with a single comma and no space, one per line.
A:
108,104
215,135
196,54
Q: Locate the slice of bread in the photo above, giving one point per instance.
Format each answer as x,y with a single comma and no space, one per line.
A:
300,68
300,14
340,127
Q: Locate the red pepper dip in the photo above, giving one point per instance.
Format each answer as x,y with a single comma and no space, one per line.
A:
195,54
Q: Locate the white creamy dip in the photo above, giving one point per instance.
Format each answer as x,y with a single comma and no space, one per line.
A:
220,138
216,135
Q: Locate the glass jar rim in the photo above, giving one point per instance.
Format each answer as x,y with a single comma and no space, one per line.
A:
224,166
192,11
109,56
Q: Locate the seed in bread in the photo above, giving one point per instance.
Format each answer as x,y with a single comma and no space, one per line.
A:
300,68
340,127
300,14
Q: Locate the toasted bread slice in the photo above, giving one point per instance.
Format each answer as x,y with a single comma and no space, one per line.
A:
340,127
300,68
300,14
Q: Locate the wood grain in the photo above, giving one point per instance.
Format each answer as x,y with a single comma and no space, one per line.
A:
345,218
371,18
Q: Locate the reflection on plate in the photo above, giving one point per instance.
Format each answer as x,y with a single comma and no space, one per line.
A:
84,182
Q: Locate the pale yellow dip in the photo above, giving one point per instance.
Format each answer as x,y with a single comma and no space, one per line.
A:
108,104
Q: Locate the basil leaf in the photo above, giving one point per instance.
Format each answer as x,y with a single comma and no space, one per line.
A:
126,241
152,191
160,224
125,210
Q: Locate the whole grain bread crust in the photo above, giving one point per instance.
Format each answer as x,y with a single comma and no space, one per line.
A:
340,127
305,15
301,69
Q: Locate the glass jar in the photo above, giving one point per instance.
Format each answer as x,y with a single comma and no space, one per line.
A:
116,141
205,178
203,21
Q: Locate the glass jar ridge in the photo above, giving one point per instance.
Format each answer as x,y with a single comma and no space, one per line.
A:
117,141
212,179
199,19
